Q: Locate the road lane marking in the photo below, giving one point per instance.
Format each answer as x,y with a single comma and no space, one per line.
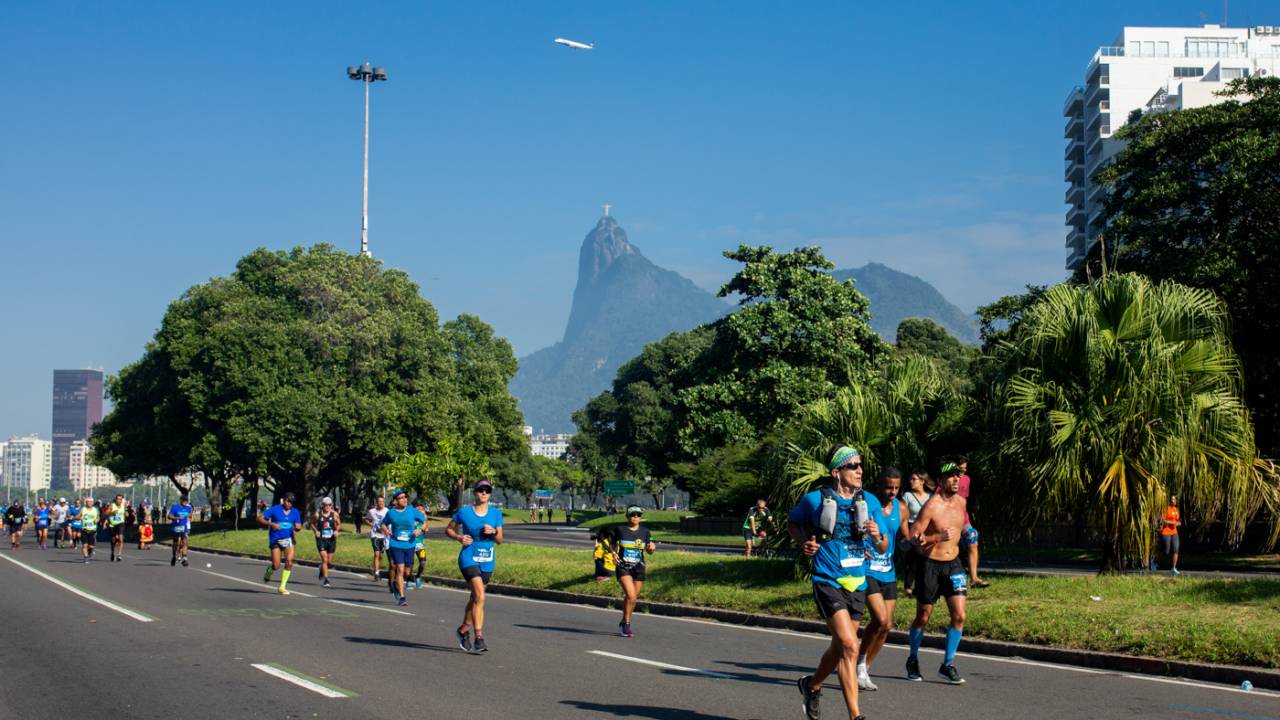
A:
82,593
250,582
369,607
1205,686
664,666
304,681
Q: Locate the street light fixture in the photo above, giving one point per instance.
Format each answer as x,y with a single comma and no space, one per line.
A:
368,75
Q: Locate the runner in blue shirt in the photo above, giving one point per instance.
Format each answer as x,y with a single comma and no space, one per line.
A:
76,523
42,524
282,522
882,580
824,525
478,528
180,526
404,526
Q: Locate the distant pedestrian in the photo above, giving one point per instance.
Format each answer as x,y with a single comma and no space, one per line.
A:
146,533
605,547
755,525
915,496
968,534
1169,544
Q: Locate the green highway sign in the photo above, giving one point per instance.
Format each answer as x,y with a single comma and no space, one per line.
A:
619,487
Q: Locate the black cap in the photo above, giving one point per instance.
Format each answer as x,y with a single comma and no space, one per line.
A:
290,497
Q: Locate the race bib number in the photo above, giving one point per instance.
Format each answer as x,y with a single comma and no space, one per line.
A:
90,527
285,542
960,582
850,562
179,529
632,555
326,533
419,545
880,564
42,523
403,536
482,554
286,525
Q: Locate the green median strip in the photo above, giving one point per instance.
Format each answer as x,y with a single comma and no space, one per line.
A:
1233,621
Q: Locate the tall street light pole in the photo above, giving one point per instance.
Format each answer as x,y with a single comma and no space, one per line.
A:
368,75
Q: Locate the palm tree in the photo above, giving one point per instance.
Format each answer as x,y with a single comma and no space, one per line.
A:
911,402
1120,393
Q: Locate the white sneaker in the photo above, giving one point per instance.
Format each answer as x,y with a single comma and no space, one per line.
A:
864,680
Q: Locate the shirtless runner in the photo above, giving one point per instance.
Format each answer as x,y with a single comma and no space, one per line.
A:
936,531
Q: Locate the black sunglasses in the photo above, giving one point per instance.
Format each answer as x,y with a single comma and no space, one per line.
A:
484,490
852,466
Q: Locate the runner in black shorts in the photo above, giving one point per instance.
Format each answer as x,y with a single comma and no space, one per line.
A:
325,523
940,573
634,542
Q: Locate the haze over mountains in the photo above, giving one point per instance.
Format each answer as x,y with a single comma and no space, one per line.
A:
623,301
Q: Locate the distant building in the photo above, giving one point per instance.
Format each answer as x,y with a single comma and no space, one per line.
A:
3,445
84,476
77,407
551,446
28,462
1152,69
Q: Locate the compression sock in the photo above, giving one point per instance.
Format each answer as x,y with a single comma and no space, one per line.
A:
284,580
916,637
953,643
266,576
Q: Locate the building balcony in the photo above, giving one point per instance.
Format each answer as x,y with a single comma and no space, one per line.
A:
1075,215
1074,100
1074,195
1074,172
1075,123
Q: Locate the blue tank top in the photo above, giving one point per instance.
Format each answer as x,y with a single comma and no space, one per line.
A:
880,565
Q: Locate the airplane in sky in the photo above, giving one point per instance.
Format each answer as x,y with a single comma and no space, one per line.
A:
574,44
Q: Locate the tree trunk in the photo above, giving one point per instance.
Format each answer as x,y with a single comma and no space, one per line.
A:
1112,563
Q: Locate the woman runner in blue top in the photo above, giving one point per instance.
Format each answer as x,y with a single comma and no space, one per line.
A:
882,581
478,528
404,526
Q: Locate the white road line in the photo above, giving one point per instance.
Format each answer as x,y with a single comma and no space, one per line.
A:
82,593
250,582
1205,686
369,607
664,666
302,682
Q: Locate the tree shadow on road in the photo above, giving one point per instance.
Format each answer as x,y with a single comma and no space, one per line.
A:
557,628
779,667
643,711
388,642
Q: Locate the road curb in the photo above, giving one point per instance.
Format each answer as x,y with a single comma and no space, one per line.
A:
1116,662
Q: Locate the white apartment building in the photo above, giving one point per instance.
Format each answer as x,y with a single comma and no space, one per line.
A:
551,446
84,476
3,445
1151,69
28,462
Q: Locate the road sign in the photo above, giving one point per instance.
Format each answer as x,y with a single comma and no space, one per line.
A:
615,488
544,493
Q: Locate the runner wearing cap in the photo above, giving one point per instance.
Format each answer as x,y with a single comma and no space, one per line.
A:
88,528
826,525
326,523
377,536
115,515
404,526
478,528
180,526
15,519
59,513
282,522
634,541
74,522
41,514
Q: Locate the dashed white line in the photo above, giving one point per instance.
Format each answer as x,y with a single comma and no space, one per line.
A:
664,666
250,582
82,593
315,686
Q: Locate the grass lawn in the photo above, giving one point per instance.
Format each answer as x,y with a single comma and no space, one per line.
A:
1199,620
655,519
677,537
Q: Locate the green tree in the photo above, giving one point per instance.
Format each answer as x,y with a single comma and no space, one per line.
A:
904,416
1120,393
922,336
441,472
1193,198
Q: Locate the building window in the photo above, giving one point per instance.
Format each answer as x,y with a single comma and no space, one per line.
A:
1184,72
1213,47
1135,48
1234,73
1149,48
1162,48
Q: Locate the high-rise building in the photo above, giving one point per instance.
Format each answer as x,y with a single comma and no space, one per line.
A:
77,407
27,462
3,482
85,476
1152,69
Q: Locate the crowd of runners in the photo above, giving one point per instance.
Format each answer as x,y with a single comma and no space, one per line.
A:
859,542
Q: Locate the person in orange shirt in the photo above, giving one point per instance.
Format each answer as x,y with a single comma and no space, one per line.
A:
146,534
1169,534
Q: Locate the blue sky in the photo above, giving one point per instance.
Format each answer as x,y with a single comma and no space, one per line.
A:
147,146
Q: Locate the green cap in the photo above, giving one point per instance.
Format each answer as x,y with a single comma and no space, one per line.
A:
949,469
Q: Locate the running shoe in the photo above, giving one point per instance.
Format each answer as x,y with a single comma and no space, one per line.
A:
864,680
479,645
184,561
626,630
404,602
811,697
86,561
464,639
325,583
950,674
980,583
283,591
1174,571
419,583
913,670
266,576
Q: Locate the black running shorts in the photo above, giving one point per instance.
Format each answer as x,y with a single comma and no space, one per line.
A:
474,571
886,589
327,545
635,571
945,578
832,599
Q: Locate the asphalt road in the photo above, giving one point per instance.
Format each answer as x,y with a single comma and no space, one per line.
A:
216,642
